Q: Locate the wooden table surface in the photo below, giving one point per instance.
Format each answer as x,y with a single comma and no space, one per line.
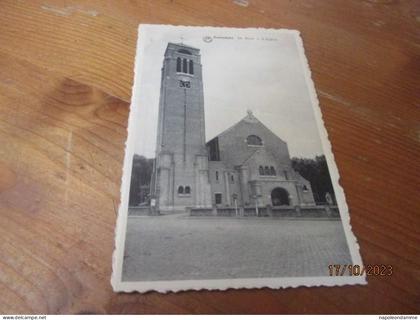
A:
66,70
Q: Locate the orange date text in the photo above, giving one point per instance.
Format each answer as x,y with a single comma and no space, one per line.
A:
380,270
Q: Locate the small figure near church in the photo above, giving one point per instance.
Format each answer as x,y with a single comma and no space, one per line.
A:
329,199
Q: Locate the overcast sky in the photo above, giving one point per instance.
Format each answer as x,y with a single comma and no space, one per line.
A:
264,76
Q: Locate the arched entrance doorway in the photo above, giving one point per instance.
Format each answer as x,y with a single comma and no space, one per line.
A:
279,197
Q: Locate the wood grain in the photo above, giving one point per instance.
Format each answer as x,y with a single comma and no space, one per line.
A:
65,86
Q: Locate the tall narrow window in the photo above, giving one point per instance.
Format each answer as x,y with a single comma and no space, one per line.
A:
217,175
214,152
218,198
272,171
191,71
180,189
187,190
267,171
232,178
184,66
261,171
178,64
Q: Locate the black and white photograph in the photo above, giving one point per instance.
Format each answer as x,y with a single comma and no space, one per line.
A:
229,180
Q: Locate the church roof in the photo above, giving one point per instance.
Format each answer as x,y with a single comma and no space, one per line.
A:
182,45
258,152
249,118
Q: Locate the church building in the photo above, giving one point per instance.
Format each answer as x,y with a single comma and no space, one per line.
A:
246,165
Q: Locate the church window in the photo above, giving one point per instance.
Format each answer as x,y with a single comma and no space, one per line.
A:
184,66
267,171
191,70
178,64
218,198
180,189
272,171
285,175
213,147
184,51
232,178
187,189
254,140
261,169
217,175
305,188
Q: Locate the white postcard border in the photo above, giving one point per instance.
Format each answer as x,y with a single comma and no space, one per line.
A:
224,284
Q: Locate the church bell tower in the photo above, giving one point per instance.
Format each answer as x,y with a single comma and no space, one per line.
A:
180,177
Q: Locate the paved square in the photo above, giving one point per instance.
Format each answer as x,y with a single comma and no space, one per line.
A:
181,248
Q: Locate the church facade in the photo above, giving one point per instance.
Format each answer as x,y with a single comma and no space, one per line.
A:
246,165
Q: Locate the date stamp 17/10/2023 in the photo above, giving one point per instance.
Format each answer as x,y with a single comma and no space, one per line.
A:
380,270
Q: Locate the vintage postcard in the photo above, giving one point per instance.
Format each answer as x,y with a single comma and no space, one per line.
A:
229,180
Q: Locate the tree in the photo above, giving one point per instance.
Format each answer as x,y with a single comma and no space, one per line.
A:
141,176
316,172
